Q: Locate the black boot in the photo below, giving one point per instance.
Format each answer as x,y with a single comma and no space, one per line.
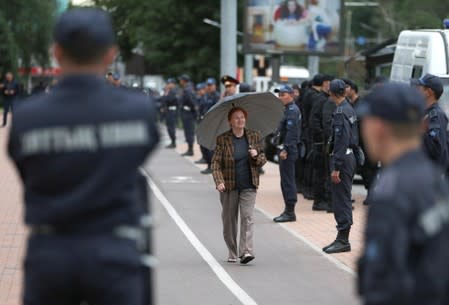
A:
189,151
288,214
207,171
171,145
340,244
320,206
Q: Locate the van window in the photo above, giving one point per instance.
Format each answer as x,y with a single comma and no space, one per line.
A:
444,99
417,71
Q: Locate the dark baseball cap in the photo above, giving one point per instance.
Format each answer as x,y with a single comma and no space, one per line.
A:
337,86
171,80
200,86
211,81
318,79
116,76
184,77
433,82
393,102
86,26
284,89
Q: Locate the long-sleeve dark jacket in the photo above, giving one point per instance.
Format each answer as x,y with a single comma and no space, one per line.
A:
435,138
290,128
316,117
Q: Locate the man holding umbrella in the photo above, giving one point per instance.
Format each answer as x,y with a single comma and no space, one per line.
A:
289,138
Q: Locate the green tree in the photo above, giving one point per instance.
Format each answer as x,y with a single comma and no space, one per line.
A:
8,59
29,25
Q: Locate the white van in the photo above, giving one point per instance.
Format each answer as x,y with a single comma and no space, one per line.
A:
419,52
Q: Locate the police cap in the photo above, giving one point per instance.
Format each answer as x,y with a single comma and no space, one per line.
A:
337,86
116,76
171,80
200,86
284,89
228,80
184,77
211,81
433,82
318,80
393,102
89,27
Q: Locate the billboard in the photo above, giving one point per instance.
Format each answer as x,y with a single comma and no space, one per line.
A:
293,26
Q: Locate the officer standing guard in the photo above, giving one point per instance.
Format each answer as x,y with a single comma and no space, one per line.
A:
343,164
436,122
230,85
169,103
78,151
189,112
407,232
289,138
10,89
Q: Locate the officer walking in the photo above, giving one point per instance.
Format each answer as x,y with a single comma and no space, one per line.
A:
169,103
435,136
10,89
189,112
407,233
78,151
290,135
343,164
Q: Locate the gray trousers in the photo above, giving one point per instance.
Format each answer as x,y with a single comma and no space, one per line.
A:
231,202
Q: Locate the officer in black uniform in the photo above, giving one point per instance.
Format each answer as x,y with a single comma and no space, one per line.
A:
343,164
204,106
10,90
328,113
169,103
407,233
435,137
78,151
189,112
290,135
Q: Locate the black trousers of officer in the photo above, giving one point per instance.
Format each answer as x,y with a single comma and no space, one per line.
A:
188,122
71,269
207,154
299,172
319,175
341,194
288,182
171,118
7,107
327,182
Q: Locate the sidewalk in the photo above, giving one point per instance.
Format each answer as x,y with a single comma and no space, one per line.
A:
12,231
316,227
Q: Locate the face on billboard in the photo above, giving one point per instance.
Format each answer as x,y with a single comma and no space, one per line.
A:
293,26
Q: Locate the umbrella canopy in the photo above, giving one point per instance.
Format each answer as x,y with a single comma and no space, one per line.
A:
265,111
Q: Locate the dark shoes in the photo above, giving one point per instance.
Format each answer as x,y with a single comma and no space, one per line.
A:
338,246
188,153
172,145
201,161
285,217
320,206
246,258
206,171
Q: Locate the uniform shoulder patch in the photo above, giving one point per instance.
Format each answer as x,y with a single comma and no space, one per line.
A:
433,114
339,110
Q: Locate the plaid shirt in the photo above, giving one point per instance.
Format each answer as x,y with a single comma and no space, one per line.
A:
223,165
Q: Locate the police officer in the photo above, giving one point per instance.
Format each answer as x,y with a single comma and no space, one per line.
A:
316,133
10,89
189,112
406,238
169,102
78,150
343,164
435,136
230,84
204,106
290,135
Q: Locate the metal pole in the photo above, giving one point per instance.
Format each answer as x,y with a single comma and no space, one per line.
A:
313,65
275,68
249,69
228,54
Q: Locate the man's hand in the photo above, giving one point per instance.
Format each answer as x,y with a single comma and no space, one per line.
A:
221,187
283,155
335,177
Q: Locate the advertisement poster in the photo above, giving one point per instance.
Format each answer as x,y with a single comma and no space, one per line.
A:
293,26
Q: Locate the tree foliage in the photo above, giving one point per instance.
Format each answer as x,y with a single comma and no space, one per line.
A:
27,26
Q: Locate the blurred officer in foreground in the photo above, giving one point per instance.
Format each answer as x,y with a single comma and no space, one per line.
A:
343,163
407,232
189,112
169,102
289,137
78,151
435,136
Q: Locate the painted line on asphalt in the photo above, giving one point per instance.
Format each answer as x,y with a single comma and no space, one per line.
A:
219,271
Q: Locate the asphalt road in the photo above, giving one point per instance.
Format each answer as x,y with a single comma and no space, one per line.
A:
192,255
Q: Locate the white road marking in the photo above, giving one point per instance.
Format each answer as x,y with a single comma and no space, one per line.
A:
219,271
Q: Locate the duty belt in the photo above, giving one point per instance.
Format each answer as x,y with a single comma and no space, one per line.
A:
186,108
172,108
